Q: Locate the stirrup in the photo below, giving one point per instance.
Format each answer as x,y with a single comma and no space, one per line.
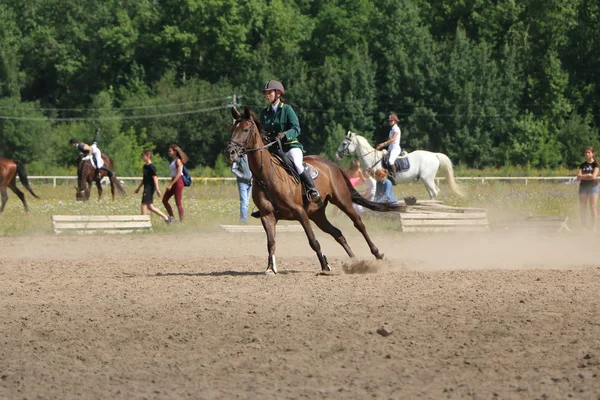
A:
314,196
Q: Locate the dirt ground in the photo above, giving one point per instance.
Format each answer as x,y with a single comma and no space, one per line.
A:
170,317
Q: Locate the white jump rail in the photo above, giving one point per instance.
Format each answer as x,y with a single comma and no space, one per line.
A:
535,223
444,222
106,224
436,217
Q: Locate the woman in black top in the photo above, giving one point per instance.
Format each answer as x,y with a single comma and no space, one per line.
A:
588,188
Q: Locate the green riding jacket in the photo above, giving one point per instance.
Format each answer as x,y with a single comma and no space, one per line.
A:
285,120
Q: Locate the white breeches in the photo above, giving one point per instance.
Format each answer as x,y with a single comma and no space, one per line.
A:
297,155
97,156
394,153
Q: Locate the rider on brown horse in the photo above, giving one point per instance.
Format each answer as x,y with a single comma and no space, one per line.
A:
281,122
93,151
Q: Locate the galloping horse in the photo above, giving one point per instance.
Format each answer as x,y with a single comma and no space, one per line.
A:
86,175
423,164
9,169
279,197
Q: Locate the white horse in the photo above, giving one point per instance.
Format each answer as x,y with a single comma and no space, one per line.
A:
423,164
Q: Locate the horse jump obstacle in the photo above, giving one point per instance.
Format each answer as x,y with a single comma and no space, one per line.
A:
437,217
551,224
260,229
101,223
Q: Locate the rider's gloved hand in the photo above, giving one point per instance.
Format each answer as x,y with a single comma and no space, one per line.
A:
281,136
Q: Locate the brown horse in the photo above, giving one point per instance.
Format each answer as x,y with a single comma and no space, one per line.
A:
86,175
279,197
9,169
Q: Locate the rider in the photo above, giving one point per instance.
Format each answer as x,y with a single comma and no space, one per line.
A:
94,151
393,144
281,122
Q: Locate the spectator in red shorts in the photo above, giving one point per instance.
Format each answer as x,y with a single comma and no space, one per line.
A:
176,185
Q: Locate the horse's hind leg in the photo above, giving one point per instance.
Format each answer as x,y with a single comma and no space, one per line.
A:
99,186
319,217
4,198
112,189
15,189
348,209
312,240
431,187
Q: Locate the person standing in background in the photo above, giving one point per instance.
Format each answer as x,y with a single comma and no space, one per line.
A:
587,175
354,173
150,184
241,170
176,186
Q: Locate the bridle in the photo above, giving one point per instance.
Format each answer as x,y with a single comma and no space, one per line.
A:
242,148
346,145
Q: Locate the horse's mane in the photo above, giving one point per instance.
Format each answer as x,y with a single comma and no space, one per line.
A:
363,140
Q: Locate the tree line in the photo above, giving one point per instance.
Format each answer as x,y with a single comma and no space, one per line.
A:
490,83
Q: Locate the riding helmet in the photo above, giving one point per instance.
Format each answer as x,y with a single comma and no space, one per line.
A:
73,140
273,85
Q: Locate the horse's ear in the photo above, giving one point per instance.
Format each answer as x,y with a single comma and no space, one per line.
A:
247,113
349,134
235,113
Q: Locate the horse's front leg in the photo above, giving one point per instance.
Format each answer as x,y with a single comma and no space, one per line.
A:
269,222
312,240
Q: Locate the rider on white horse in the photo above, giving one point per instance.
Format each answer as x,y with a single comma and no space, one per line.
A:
393,144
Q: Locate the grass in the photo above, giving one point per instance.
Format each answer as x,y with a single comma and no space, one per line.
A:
209,204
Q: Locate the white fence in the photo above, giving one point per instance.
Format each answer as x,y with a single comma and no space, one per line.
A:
56,179
482,179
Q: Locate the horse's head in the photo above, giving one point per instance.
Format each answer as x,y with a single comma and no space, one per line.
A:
346,147
79,194
244,135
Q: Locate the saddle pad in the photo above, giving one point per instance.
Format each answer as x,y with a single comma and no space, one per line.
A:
403,164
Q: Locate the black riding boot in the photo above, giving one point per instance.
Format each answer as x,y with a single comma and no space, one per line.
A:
392,175
311,190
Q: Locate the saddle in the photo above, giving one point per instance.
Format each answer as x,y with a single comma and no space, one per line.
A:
288,166
402,163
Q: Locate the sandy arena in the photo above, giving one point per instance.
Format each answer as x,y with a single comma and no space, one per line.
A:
171,317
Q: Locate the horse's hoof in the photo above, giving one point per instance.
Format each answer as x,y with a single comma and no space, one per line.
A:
270,272
380,256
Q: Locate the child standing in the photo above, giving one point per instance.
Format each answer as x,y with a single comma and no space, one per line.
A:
150,184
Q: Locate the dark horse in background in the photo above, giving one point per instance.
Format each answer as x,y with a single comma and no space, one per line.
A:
86,176
279,197
9,170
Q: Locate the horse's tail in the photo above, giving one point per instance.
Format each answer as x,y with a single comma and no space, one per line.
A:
371,205
117,183
446,165
23,178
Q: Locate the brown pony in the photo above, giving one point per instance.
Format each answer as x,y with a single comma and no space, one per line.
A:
9,169
279,197
86,175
